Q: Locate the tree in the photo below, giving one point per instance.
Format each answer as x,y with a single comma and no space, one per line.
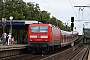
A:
53,20
15,8
60,24
1,9
27,11
44,17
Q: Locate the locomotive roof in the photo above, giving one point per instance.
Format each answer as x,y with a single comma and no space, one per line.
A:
44,25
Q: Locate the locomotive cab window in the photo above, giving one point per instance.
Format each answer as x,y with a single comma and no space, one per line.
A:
38,28
43,28
34,29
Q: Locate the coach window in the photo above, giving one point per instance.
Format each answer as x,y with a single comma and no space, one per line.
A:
75,35
62,37
69,37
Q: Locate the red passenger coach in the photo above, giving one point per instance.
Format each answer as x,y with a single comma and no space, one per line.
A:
46,37
68,38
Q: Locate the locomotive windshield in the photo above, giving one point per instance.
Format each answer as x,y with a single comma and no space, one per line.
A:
39,29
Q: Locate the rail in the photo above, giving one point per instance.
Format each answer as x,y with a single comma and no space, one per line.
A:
80,55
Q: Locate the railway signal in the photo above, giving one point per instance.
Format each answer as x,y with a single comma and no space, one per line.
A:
72,19
72,23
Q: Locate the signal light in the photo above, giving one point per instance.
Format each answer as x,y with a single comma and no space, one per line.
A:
72,19
72,24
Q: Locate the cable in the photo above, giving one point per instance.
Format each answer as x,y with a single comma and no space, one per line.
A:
54,9
86,16
74,2
73,8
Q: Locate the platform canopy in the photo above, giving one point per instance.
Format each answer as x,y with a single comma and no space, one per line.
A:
18,23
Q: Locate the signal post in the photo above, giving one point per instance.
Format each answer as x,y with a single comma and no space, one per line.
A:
72,25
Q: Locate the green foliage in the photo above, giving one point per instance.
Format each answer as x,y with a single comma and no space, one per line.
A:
1,4
44,16
21,10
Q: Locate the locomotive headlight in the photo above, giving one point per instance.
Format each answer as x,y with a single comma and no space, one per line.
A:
46,40
33,36
30,39
44,36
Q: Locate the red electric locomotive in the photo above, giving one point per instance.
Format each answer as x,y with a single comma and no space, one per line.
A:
46,37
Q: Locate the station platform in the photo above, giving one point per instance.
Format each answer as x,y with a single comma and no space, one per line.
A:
11,47
8,50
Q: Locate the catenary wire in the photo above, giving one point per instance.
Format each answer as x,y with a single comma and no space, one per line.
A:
73,8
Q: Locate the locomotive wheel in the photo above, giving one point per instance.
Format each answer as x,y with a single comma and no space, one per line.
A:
44,50
50,48
28,49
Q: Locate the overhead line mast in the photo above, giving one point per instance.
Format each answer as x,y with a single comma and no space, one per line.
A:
81,8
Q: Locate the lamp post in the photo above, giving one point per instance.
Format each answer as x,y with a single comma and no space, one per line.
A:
11,18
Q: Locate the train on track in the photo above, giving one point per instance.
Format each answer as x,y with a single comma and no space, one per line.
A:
86,34
46,37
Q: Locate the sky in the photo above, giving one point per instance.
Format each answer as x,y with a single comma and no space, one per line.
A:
65,9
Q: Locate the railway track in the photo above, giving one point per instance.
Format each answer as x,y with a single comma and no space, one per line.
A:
80,55
33,56
65,55
20,57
